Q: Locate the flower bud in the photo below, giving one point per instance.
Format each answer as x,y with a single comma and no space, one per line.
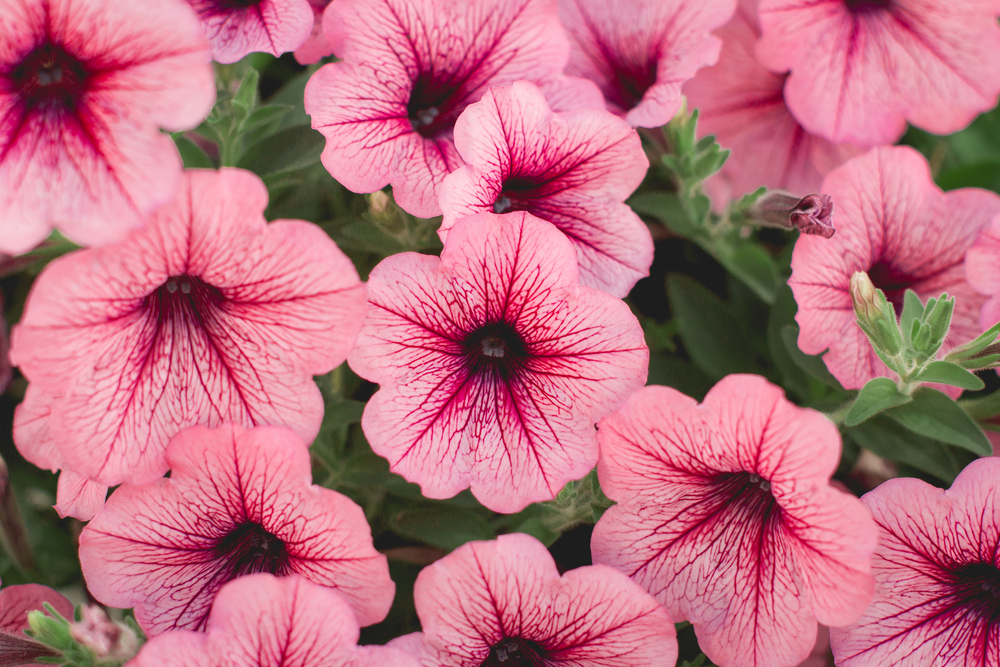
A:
867,305
19,650
107,639
812,214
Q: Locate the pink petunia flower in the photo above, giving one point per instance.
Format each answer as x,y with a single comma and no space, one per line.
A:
317,46
726,515
640,52
860,69
85,86
238,27
937,576
262,621
209,315
982,270
742,104
238,501
494,364
574,169
895,224
503,602
410,67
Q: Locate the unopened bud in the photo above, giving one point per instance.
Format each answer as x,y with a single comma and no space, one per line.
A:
104,637
378,201
867,305
812,214
20,650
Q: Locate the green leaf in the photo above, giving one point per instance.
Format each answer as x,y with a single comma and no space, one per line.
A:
751,264
289,150
934,415
981,407
246,96
884,437
191,154
264,116
913,310
877,395
946,372
443,526
712,336
982,175
668,209
810,363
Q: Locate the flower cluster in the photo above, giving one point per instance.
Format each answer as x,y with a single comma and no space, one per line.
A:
274,430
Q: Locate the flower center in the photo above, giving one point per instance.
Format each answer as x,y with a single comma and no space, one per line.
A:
184,296
502,204
250,549
749,495
208,8
863,6
50,78
495,349
516,652
632,80
977,585
434,105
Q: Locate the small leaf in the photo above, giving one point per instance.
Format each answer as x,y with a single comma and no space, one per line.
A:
264,116
668,209
884,437
913,311
946,372
812,364
877,395
752,265
191,154
934,415
983,407
443,526
289,150
246,96
711,334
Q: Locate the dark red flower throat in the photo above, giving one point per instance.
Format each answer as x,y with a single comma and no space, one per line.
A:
495,349
977,590
516,652
250,549
50,78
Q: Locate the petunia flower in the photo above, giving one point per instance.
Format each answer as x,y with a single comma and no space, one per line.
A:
726,515
237,502
894,223
409,68
640,52
937,575
209,315
500,603
494,364
85,86
574,169
238,27
262,621
860,69
982,270
316,47
742,104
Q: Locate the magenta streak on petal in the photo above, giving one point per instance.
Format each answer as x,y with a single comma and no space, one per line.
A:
516,652
862,6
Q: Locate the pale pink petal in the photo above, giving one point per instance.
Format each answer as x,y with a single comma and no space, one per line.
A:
982,270
84,153
894,223
936,573
238,28
482,597
640,52
493,364
237,502
741,103
316,47
409,68
858,73
209,315
180,648
725,514
79,497
573,169
16,602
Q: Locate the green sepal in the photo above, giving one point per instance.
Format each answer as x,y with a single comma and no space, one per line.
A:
876,396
